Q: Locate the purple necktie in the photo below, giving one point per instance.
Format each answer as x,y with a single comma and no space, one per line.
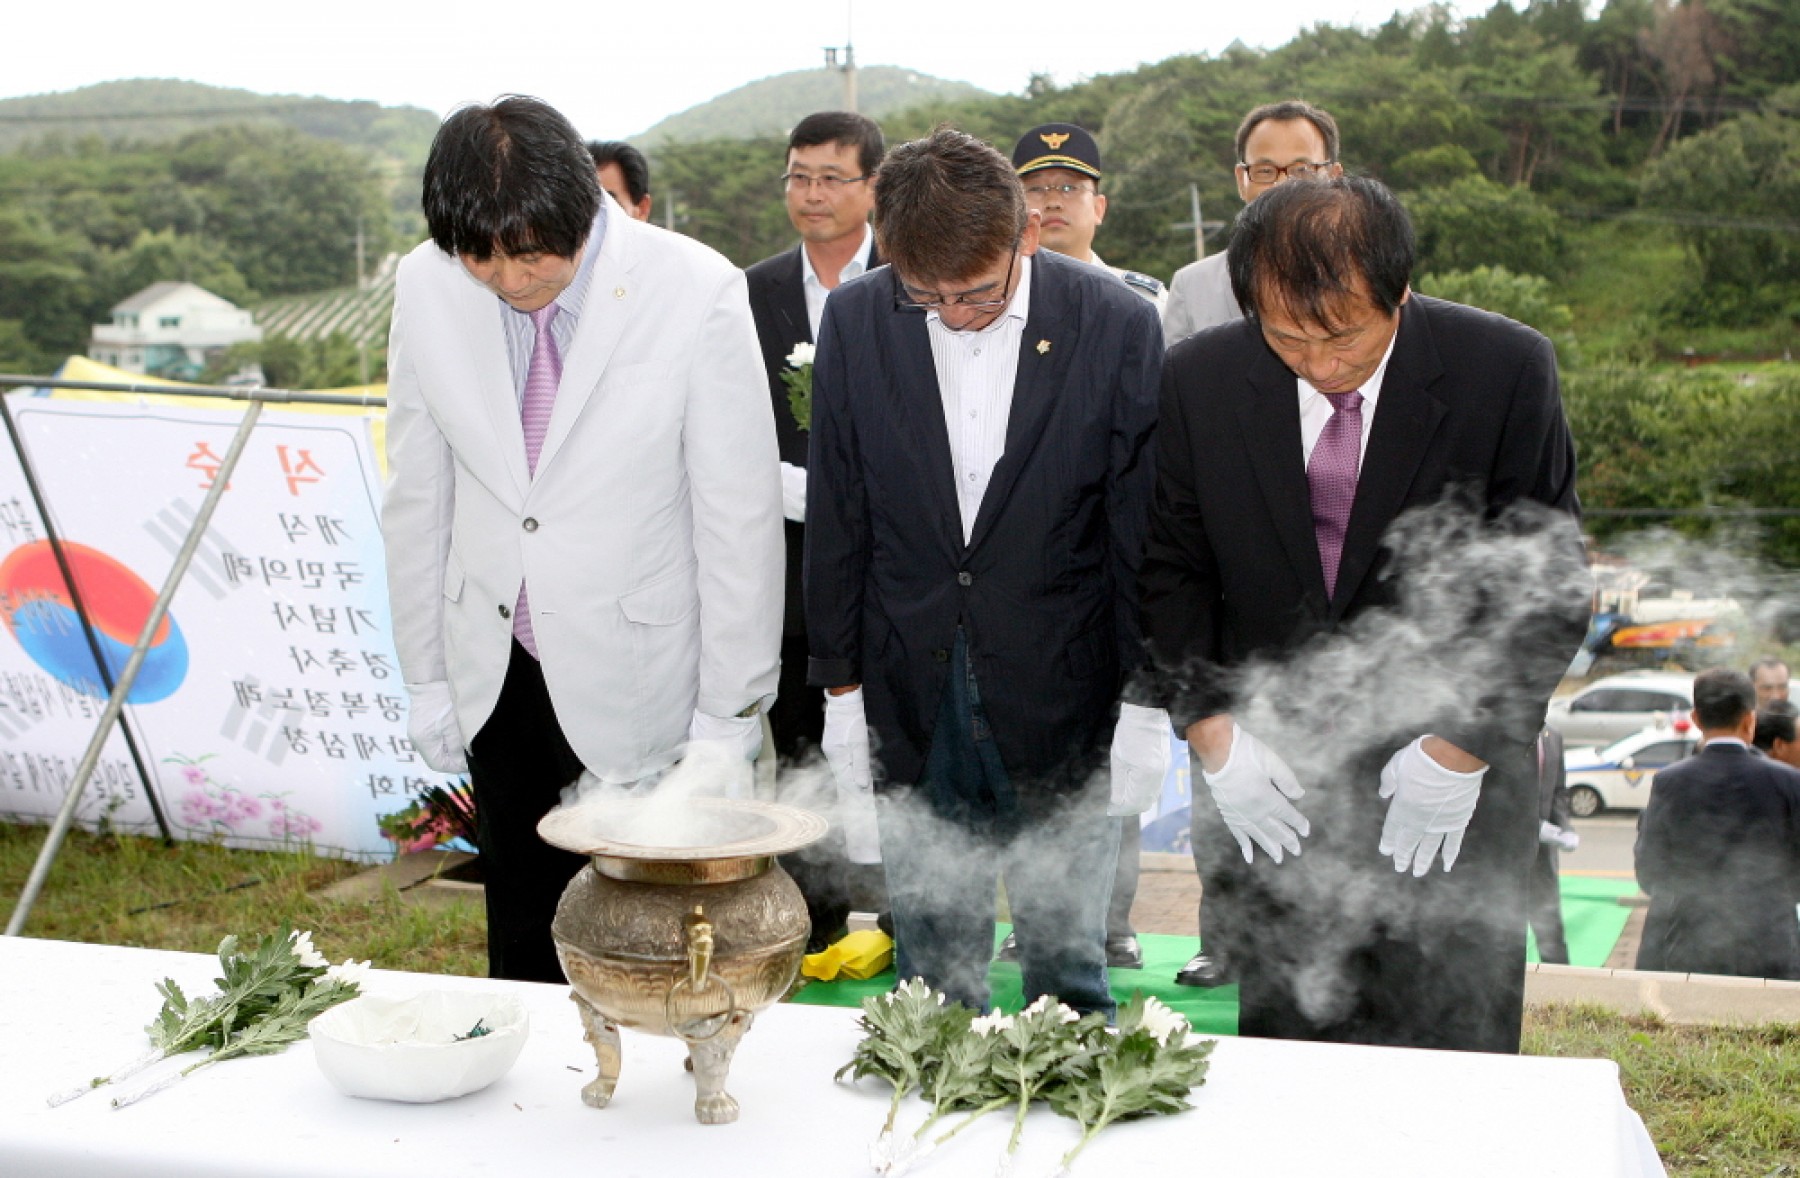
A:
1332,476
541,380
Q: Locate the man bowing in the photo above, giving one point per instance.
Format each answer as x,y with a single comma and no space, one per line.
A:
979,480
583,519
1363,581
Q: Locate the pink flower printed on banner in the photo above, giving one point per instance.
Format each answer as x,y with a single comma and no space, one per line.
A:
288,822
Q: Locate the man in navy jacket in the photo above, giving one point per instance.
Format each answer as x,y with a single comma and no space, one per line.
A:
980,475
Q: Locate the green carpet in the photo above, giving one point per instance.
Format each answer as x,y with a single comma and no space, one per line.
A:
1592,921
1593,918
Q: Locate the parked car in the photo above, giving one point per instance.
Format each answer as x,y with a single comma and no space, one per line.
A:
1619,776
1613,708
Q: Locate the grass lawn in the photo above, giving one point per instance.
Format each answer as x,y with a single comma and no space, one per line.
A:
1718,1101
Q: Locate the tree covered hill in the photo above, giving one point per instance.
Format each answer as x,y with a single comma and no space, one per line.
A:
154,110
771,105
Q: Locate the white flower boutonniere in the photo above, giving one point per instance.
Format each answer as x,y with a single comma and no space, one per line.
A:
798,378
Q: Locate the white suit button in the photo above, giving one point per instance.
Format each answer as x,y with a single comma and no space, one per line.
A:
530,524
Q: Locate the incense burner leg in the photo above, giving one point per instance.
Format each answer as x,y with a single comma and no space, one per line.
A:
602,1034
711,1060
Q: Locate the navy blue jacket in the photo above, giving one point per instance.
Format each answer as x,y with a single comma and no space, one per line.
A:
1046,588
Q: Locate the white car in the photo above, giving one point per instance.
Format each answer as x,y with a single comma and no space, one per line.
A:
1613,708
1619,776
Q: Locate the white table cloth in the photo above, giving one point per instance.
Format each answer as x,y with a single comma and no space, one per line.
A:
70,1011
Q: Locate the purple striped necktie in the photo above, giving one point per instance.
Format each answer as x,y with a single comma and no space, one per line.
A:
541,379
1331,475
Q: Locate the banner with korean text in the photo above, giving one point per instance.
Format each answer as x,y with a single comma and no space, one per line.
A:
270,709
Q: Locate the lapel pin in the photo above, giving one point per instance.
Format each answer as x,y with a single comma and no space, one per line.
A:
618,292
1043,347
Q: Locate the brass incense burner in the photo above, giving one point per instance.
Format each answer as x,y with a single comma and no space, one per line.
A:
684,929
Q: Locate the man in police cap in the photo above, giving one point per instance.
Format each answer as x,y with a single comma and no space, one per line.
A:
1059,164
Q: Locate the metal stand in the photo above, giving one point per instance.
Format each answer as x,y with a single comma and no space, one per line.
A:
65,818
81,614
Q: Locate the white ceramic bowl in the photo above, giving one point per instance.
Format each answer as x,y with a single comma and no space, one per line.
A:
407,1049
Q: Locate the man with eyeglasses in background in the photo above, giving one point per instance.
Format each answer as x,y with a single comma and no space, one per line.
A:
1275,142
828,182
982,411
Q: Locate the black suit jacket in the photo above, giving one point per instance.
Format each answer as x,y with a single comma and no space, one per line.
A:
1718,851
1046,588
1461,597
1553,782
778,305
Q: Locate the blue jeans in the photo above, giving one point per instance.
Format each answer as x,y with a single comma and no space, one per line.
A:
947,841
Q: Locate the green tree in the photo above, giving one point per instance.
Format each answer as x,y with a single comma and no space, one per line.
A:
1476,222
1736,191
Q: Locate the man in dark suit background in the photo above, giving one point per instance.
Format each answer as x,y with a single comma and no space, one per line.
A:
1555,835
980,475
829,185
1365,564
1718,848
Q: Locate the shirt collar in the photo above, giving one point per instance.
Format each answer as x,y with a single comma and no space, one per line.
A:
855,266
1019,308
1713,742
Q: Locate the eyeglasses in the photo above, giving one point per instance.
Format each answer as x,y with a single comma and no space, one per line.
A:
1041,191
801,182
971,299
1270,173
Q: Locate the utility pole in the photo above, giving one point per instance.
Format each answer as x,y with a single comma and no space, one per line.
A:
846,64
1198,225
361,282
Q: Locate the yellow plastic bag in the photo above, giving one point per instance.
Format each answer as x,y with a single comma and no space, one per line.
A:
859,955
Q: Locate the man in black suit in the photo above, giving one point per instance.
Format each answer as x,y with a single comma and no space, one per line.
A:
1555,835
829,186
1363,581
980,474
1718,848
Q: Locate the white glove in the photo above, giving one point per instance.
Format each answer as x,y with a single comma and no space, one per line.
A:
1253,792
431,726
793,492
1140,759
1550,834
1568,840
742,734
846,747
1431,808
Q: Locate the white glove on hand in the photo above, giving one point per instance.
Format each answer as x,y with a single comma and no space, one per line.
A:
1568,840
742,734
793,492
431,726
1431,808
1253,792
1550,834
846,747
1141,753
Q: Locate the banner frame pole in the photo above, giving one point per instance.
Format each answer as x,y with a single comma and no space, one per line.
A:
65,817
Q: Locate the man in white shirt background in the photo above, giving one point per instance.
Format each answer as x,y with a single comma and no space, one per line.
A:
828,179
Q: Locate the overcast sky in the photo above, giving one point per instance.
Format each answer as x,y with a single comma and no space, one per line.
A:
617,69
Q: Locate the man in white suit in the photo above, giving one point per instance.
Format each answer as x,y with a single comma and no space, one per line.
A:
583,516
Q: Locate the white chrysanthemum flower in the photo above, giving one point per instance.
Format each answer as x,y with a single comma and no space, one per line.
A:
1046,1003
802,355
989,1024
351,973
311,958
1161,1022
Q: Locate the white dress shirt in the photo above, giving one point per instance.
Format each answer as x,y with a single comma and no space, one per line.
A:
1315,410
976,371
816,294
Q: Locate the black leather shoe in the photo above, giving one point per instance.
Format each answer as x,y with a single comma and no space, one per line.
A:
1009,949
1203,971
1124,952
